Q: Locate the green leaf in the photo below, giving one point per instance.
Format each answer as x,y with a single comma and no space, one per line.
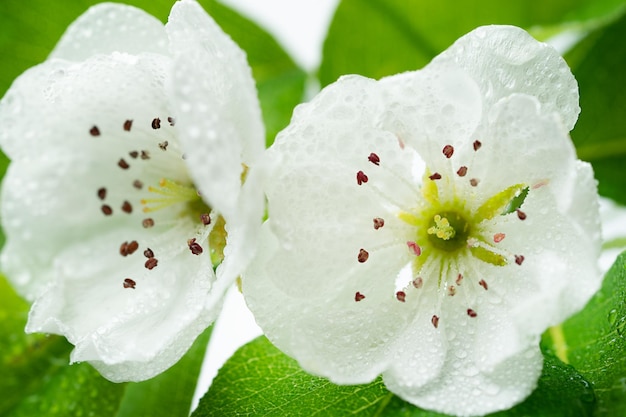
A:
382,37
594,342
600,134
30,32
37,379
260,380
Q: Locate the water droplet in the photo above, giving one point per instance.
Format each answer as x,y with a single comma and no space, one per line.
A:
621,326
612,317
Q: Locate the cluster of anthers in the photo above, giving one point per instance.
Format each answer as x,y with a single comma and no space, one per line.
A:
448,232
157,202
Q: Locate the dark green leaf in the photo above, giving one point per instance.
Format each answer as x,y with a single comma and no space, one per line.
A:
594,342
382,37
600,134
260,380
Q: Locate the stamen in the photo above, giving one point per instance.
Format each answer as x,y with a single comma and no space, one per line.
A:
378,223
205,219
498,237
132,247
138,184
519,259
477,145
451,290
133,154
459,279
471,313
94,131
123,164
128,124
483,284
462,171
414,248
163,145
145,155
107,210
102,193
520,214
401,296
435,321
147,223
156,123
435,176
151,263
442,228
374,159
127,208
358,296
171,121
474,182
194,247
129,283
172,193
418,282
448,150
361,178
148,253
363,255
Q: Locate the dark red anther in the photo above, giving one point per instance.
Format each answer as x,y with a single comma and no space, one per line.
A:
129,283
483,284
147,223
151,263
361,177
474,182
374,159
163,145
132,247
459,279
401,296
106,209
477,145
461,172
435,176
194,246
123,164
128,124
127,208
102,193
124,249
414,248
358,296
133,154
363,255
448,150
145,155
378,223
171,121
148,253
138,184
156,123
94,131
471,313
435,321
418,282
205,219
519,259
520,214
451,290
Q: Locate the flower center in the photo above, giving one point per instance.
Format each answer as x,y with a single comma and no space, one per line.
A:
448,231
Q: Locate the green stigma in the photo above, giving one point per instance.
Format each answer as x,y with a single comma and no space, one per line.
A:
448,231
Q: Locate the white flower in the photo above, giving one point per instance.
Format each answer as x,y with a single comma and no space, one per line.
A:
128,147
396,242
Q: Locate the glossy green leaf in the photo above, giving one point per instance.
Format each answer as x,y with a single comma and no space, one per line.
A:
37,379
382,37
600,134
594,342
260,380
30,31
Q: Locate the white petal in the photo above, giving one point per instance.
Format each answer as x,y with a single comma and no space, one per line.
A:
505,60
128,334
106,28
215,98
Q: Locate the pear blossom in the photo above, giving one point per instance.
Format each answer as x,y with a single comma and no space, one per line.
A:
429,226
130,204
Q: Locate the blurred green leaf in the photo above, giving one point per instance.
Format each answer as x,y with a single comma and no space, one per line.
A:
260,380
30,31
594,342
37,379
383,37
600,134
